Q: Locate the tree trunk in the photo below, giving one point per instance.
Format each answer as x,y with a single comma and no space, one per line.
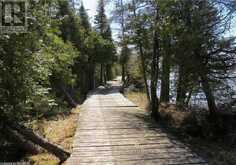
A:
142,55
181,87
15,137
155,69
189,97
30,135
105,74
69,99
123,37
209,95
101,75
91,76
109,72
165,80
144,70
202,73
123,73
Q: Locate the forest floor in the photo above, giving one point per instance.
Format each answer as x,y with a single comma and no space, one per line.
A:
215,151
59,130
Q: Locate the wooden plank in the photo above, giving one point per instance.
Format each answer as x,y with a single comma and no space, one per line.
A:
113,131
145,160
133,151
131,147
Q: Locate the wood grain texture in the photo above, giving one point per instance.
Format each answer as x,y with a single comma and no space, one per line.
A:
114,131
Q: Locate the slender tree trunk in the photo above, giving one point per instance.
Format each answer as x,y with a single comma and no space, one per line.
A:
209,95
69,98
123,73
144,70
123,37
82,82
85,87
91,76
165,80
154,79
101,75
206,85
155,69
109,72
189,97
181,87
142,55
105,74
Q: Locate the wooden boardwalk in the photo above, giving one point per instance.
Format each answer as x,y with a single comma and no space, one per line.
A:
113,131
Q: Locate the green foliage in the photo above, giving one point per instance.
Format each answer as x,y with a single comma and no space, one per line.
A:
61,57
28,62
184,36
84,18
106,50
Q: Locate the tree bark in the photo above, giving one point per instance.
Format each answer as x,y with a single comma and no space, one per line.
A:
123,73
109,72
101,75
144,70
30,135
202,73
105,74
155,69
17,138
209,95
123,37
189,97
91,76
165,80
181,88
69,99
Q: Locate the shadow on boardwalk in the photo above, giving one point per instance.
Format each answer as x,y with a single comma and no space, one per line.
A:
112,130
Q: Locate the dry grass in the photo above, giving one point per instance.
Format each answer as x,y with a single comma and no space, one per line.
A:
175,117
60,131
168,112
139,98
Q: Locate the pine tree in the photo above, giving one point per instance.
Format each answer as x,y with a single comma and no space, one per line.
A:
103,28
101,21
84,19
87,52
120,16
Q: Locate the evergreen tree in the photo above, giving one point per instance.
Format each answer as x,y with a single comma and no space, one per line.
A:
119,16
84,19
101,22
103,28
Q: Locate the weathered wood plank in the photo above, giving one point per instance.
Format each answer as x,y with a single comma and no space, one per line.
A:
114,131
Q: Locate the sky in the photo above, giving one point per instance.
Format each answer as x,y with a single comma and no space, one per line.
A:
91,6
233,29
